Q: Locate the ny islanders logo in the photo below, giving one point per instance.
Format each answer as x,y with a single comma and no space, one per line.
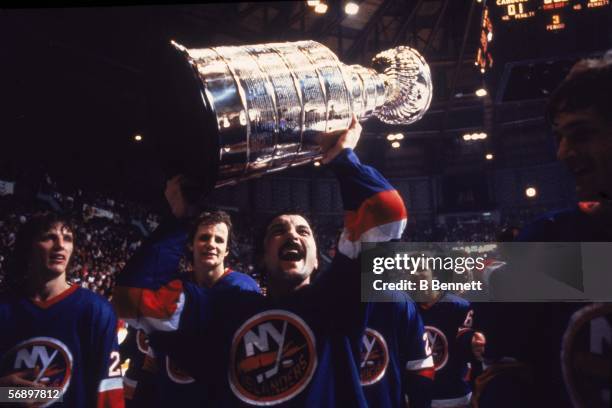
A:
273,358
43,360
439,346
374,357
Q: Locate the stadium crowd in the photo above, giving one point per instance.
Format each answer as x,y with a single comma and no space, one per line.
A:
110,229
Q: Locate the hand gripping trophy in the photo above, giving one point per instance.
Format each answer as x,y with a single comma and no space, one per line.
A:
245,111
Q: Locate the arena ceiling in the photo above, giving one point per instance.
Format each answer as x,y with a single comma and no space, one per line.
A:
79,74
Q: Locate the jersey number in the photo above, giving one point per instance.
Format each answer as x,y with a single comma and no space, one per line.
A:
114,370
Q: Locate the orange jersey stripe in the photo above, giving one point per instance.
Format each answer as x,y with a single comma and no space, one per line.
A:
158,304
382,208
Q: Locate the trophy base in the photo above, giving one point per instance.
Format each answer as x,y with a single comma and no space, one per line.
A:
183,123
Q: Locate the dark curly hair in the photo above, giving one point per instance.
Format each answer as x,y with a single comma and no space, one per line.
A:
37,224
260,235
588,85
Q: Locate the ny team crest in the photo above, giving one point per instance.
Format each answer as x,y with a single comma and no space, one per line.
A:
439,346
43,360
374,357
273,358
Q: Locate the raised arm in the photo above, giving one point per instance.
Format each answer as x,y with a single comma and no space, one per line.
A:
373,210
149,294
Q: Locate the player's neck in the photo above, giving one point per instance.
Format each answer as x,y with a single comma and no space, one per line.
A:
208,277
279,288
43,289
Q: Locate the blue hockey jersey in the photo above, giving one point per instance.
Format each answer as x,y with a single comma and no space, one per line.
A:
448,325
395,360
299,350
175,385
69,341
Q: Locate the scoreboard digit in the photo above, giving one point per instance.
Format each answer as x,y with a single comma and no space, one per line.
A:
515,9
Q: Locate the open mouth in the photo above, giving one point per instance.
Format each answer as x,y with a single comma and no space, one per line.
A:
57,258
291,251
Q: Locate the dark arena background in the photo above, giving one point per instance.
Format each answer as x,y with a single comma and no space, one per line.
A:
76,129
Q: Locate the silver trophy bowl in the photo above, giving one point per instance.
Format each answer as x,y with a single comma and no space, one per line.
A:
226,114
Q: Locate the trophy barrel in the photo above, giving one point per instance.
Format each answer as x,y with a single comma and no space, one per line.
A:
182,121
226,114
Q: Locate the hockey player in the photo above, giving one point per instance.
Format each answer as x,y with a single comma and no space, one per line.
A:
448,325
580,112
299,346
55,334
396,358
206,241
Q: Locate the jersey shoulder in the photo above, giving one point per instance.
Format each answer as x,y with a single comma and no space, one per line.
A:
241,281
87,300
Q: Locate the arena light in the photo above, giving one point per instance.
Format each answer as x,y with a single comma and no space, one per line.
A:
321,8
351,8
395,145
313,3
531,192
467,137
317,164
138,138
482,70
395,136
490,36
489,156
481,92
482,136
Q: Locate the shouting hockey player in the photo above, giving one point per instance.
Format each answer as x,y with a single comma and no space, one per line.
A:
300,345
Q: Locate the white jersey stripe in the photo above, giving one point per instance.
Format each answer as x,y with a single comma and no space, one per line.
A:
151,324
109,384
452,402
413,365
381,233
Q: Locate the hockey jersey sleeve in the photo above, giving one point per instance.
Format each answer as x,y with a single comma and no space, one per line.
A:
149,294
107,361
373,210
416,356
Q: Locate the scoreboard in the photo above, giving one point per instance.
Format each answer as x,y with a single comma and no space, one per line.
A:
555,13
550,26
525,38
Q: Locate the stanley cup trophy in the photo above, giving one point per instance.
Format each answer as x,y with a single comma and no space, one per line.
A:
237,112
